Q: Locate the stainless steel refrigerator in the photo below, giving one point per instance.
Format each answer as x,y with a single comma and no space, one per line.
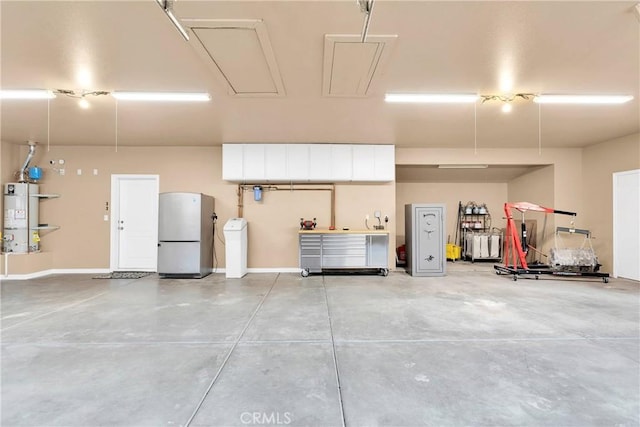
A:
185,234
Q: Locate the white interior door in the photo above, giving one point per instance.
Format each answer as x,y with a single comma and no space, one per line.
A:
134,222
626,228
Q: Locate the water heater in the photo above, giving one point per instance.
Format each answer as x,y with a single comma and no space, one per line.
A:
20,232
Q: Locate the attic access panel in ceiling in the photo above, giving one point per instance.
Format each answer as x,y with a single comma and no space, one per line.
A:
351,66
239,53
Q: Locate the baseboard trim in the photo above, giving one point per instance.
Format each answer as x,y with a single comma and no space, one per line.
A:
274,270
264,270
50,272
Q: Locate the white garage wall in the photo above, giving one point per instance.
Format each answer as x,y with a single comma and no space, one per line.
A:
492,194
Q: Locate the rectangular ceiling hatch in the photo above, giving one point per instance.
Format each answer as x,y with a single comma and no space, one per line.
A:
240,55
351,66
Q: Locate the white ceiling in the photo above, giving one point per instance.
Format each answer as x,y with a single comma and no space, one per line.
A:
578,47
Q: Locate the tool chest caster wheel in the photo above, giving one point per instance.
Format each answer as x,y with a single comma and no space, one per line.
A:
384,272
304,272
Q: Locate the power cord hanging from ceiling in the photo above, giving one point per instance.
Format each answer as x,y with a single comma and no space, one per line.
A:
48,123
116,125
475,128
539,129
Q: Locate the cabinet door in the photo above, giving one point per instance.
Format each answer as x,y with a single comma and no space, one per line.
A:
253,162
364,163
385,162
179,257
232,162
298,162
341,162
320,162
275,162
378,256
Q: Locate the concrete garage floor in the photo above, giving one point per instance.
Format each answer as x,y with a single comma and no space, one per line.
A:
471,348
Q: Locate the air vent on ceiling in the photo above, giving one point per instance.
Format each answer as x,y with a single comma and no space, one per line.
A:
351,66
239,53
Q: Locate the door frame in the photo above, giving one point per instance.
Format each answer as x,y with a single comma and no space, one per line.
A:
616,176
115,212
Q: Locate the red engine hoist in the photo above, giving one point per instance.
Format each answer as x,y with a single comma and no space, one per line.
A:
516,247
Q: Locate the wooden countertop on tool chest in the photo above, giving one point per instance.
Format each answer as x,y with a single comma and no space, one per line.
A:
340,231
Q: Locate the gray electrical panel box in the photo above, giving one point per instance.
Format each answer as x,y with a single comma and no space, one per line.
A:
425,239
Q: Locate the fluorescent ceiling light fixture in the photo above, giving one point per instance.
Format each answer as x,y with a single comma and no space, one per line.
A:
582,99
27,94
431,98
161,96
463,166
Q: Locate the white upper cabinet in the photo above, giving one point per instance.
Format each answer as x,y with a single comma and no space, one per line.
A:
232,160
341,162
374,163
320,162
298,162
364,163
255,163
275,162
385,162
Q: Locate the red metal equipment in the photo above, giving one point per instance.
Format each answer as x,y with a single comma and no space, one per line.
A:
515,246
512,243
